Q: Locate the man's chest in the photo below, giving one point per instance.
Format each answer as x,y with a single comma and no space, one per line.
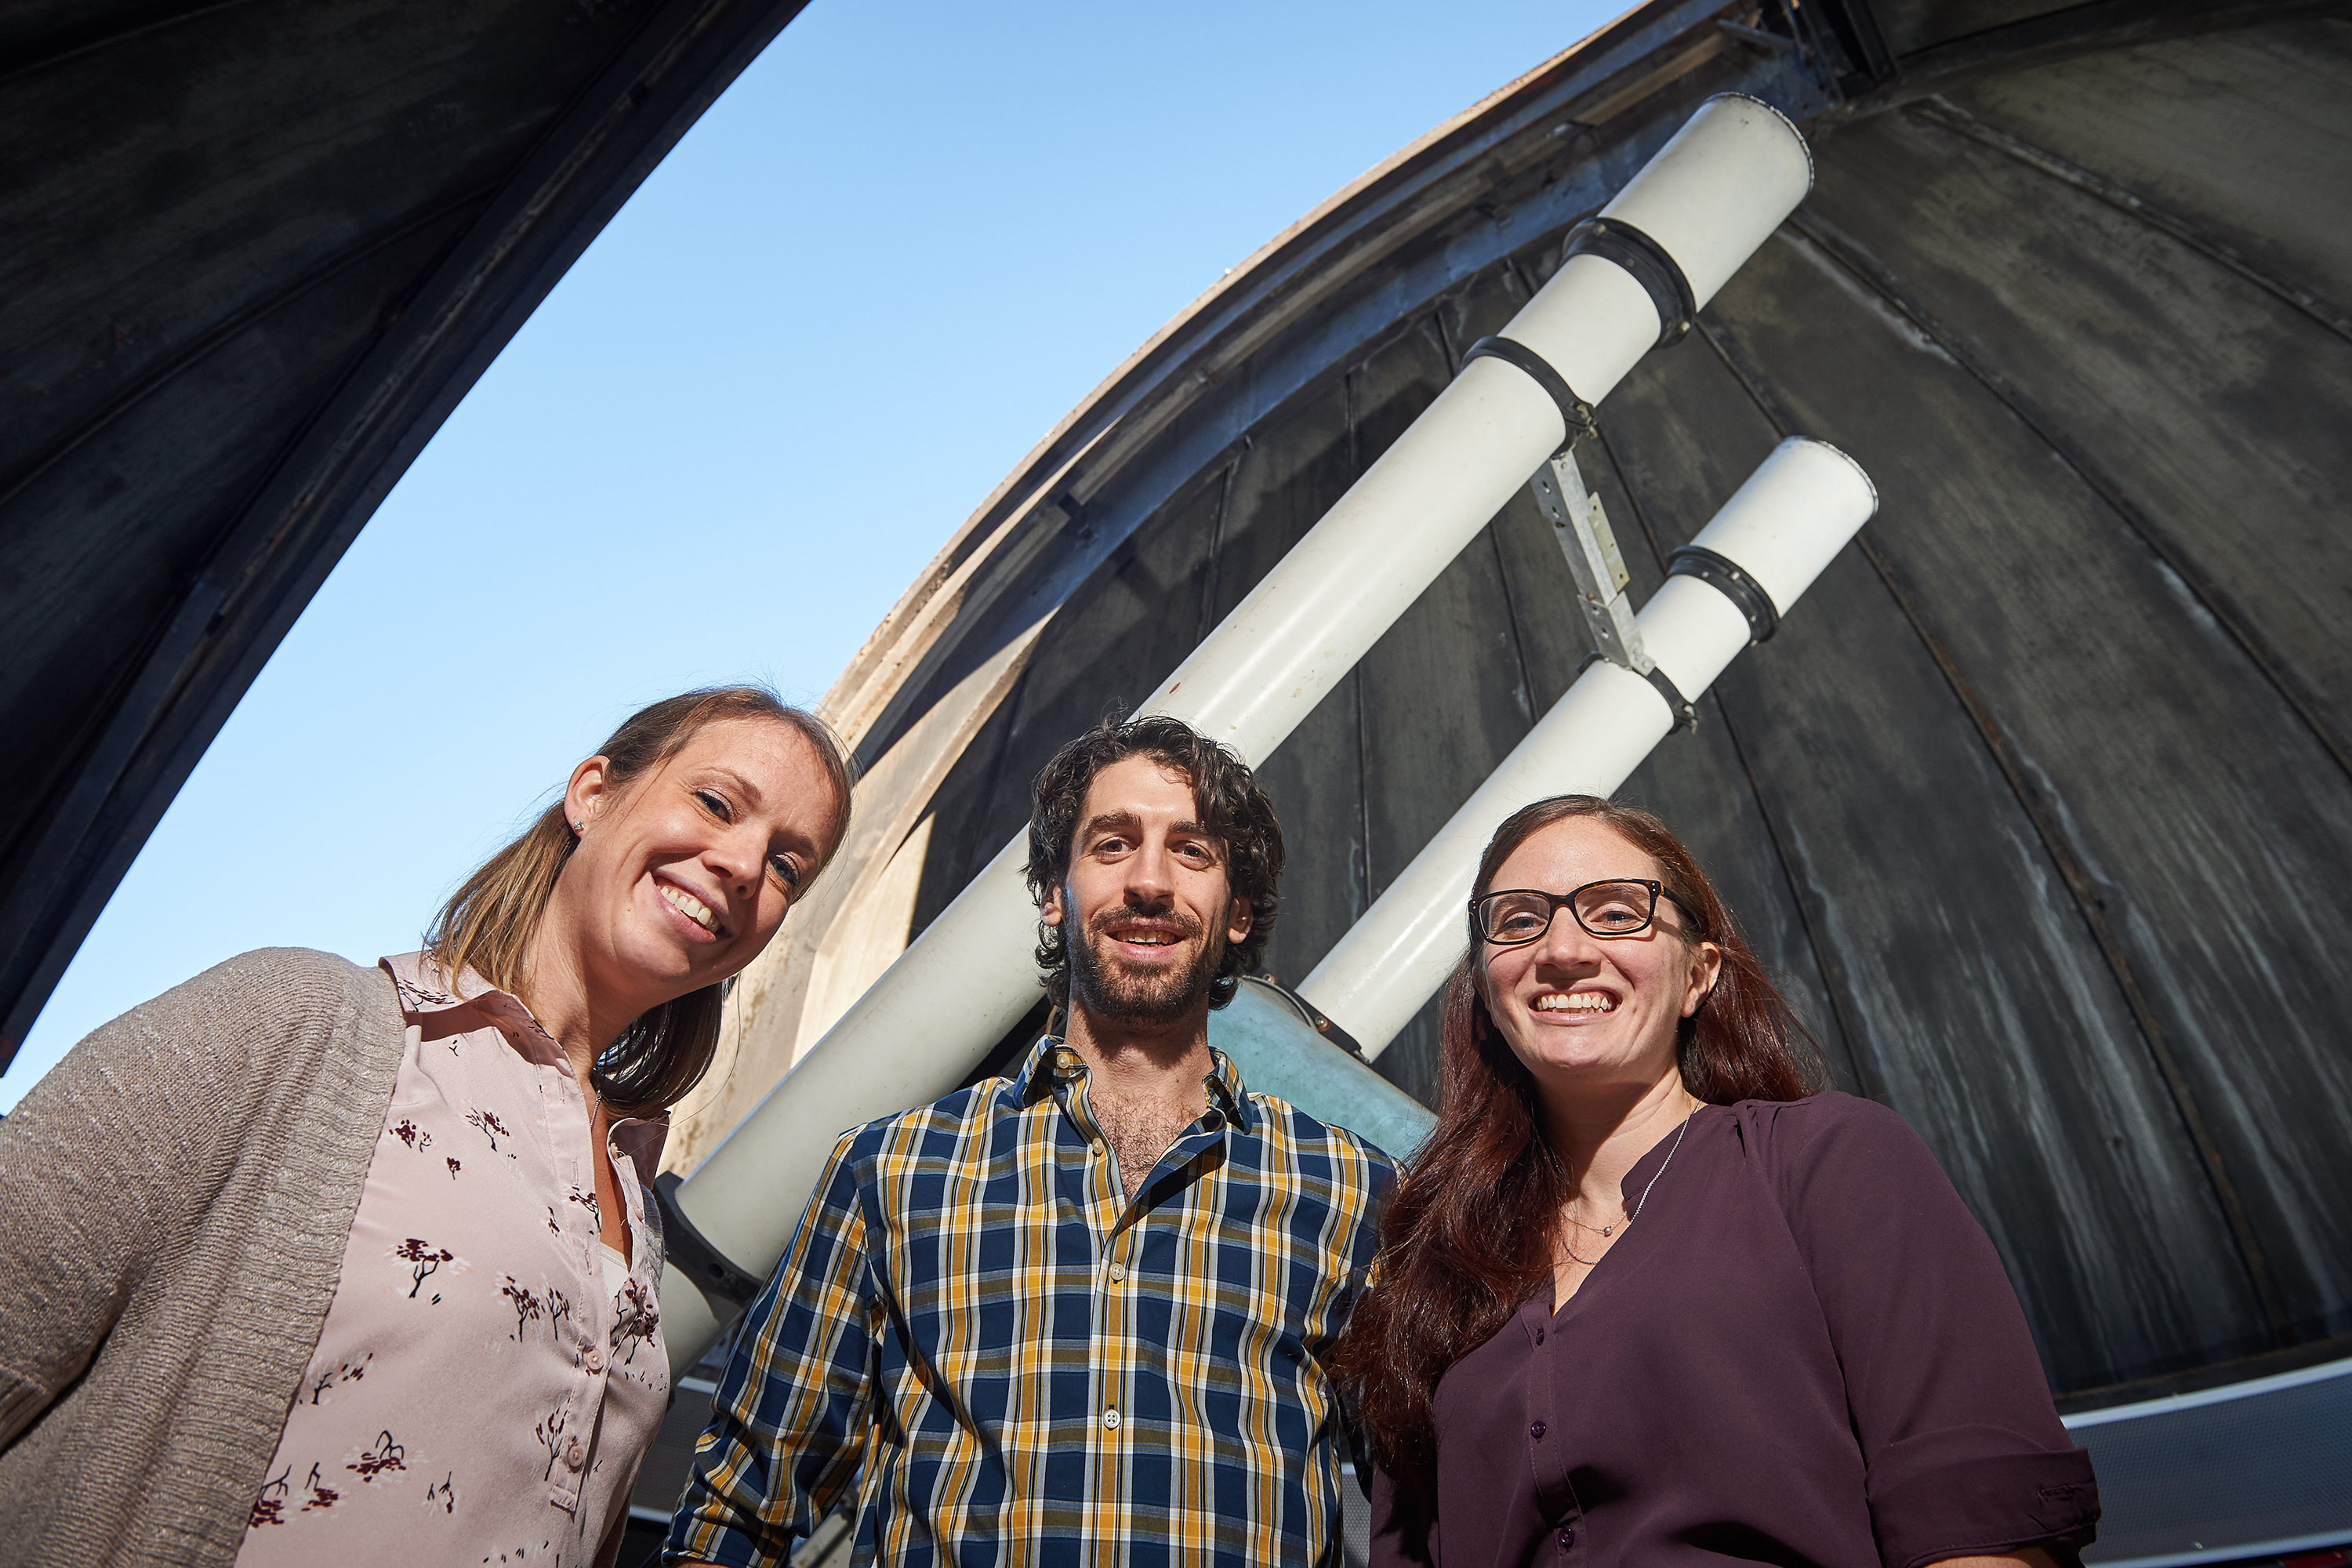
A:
1055,1260
1138,1135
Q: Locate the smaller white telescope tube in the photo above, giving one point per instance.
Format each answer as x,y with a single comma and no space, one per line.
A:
1730,175
1784,525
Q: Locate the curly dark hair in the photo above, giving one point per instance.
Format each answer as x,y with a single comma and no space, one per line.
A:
1225,795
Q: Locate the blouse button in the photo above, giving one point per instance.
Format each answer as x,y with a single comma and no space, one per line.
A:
1567,1536
1538,1336
595,1360
574,1455
1110,1420
1536,1429
1118,1272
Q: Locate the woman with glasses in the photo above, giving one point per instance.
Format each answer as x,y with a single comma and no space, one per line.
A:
1649,1295
304,1262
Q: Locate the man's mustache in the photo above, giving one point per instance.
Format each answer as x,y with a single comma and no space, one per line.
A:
1186,925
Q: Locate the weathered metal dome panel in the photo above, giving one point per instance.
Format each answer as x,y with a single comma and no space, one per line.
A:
2040,802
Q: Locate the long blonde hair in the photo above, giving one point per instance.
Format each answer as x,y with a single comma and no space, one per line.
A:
489,921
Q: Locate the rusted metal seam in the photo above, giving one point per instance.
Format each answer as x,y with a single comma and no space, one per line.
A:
2158,542
1363,878
1362,890
1493,534
1942,113
1527,685
2070,865
1836,982
1204,623
1511,619
1518,287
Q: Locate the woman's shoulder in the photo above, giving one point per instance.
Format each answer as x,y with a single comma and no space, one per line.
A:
1827,1130
287,966
298,983
219,1046
275,972
292,965
271,999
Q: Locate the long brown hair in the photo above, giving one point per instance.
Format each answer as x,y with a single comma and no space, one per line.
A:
1472,1227
488,922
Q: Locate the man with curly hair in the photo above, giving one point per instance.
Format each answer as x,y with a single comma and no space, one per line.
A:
1081,1313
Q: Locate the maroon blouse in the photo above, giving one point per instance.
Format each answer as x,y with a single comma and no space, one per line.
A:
1805,1352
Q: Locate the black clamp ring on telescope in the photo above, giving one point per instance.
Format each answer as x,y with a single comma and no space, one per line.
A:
1651,266
1685,716
685,1247
1727,577
1573,410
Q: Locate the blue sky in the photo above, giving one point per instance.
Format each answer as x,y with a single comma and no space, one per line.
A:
903,244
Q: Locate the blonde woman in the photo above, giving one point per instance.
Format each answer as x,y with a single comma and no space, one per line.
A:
303,1262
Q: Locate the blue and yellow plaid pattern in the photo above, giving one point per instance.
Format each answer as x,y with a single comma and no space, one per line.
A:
1014,1364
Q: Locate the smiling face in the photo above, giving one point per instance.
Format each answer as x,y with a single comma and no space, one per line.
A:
1148,897
681,875
1587,1012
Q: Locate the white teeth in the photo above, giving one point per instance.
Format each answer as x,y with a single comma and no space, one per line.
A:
692,908
1576,1001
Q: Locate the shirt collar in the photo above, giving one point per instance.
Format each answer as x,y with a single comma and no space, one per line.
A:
642,1140
1051,1062
1047,1063
427,991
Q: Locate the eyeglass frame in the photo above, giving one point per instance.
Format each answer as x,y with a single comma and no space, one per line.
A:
1567,900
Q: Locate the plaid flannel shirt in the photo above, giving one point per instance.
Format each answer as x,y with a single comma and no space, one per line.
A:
1014,1364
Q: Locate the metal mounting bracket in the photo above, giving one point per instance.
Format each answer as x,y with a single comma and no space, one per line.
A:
1582,530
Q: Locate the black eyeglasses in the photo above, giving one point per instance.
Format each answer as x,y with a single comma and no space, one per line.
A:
1622,906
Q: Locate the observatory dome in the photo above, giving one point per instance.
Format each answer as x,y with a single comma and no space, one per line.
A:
2040,802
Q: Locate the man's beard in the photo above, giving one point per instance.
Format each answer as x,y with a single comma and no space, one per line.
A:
1109,991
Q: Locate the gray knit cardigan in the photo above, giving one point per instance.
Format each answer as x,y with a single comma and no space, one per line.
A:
175,1200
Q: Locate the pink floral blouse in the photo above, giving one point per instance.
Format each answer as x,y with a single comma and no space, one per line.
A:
490,1373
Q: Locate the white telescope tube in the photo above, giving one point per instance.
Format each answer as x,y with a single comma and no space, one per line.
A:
1794,514
1722,185
1732,174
